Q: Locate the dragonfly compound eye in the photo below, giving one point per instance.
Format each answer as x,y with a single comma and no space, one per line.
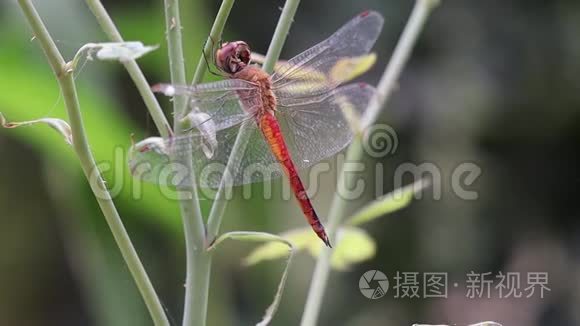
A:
243,53
232,57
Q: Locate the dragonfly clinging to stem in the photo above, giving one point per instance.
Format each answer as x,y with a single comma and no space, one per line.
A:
297,116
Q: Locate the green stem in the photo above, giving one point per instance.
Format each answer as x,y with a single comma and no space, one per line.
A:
132,68
274,50
280,34
198,265
249,236
399,59
355,152
214,36
81,147
198,260
197,288
194,228
218,207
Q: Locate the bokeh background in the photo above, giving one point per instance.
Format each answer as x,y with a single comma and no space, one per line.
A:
495,83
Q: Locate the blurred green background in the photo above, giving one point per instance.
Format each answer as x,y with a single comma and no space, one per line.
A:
495,83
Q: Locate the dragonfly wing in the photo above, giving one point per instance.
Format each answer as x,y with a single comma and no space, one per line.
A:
253,162
221,109
315,128
320,127
326,65
221,101
152,159
162,161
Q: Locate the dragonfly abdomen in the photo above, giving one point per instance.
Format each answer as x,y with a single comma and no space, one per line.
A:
273,135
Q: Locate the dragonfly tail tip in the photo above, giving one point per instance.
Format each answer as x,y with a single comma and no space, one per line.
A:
326,241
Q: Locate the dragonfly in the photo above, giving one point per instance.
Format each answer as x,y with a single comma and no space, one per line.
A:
297,116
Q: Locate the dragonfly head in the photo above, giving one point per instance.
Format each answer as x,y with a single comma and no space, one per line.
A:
232,57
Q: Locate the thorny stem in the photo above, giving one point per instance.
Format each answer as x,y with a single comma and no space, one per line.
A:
198,260
81,147
274,50
132,68
355,152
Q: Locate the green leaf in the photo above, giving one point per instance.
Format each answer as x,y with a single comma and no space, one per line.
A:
388,203
347,69
300,238
353,246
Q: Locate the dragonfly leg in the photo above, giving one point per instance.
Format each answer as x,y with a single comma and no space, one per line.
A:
211,62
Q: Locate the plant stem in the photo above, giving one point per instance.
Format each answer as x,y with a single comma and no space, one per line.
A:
132,68
214,36
218,207
280,34
399,59
195,228
198,260
414,26
274,50
81,147
322,269
198,265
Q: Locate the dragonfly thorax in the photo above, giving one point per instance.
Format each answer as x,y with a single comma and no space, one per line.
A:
266,101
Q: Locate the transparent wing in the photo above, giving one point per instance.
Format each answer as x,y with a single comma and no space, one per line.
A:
322,126
316,115
225,102
254,161
326,65
313,131
162,161
227,106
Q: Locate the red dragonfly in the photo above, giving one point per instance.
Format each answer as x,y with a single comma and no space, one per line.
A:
297,116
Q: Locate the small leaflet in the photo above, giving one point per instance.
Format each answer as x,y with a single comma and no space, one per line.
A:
147,159
57,124
117,51
206,127
122,51
353,246
389,203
